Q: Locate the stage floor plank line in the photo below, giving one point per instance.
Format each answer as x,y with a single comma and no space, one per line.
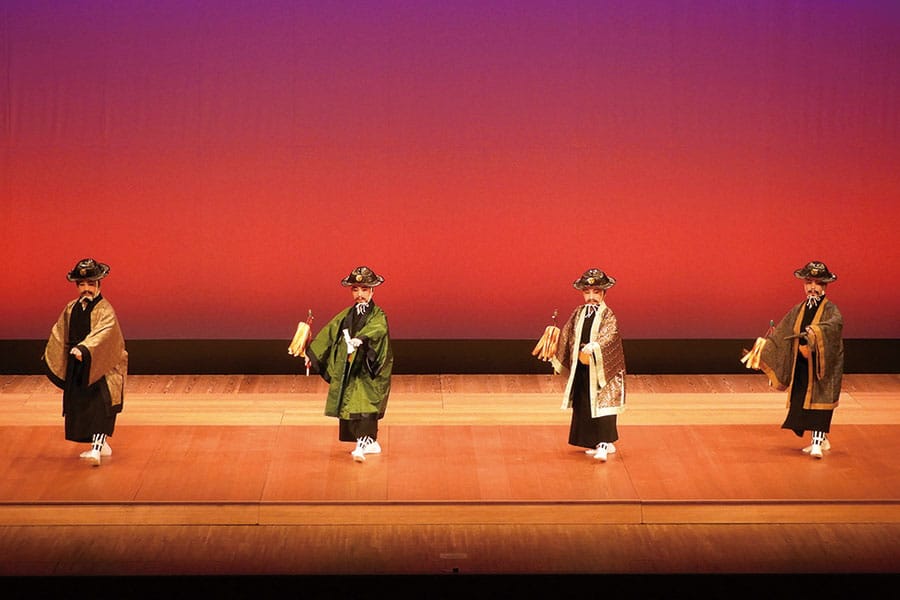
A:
448,399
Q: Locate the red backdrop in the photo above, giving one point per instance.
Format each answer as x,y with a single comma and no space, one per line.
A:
233,161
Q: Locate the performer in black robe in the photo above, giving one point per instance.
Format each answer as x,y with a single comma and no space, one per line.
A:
86,358
88,408
800,419
804,354
586,431
590,352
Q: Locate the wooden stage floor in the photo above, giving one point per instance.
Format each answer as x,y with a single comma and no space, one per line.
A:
243,474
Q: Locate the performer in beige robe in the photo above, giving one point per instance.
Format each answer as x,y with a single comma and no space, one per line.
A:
804,354
590,352
86,358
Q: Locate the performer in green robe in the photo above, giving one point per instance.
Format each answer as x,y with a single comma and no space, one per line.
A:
85,357
804,354
353,354
590,352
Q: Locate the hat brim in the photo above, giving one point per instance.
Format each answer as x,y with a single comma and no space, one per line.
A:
347,282
580,285
104,271
801,274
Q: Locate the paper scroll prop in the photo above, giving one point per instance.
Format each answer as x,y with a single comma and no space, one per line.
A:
301,339
547,345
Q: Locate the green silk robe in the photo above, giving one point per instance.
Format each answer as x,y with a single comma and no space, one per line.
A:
359,386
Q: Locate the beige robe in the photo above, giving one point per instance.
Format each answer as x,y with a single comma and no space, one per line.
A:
105,342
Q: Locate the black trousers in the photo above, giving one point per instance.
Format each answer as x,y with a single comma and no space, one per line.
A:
88,411
350,430
586,431
800,419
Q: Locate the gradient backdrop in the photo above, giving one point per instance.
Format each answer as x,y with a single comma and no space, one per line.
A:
232,161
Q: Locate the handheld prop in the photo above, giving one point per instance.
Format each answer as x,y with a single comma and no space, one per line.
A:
301,339
547,345
751,357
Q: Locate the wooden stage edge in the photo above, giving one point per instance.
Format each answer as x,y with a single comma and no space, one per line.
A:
452,513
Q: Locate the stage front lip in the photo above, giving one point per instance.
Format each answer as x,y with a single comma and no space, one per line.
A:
451,512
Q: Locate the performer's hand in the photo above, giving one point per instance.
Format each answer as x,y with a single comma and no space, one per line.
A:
76,353
811,338
308,364
590,347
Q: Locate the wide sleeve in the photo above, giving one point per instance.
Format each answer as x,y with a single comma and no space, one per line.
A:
611,351
778,354
562,361
828,347
105,343
56,353
321,349
377,345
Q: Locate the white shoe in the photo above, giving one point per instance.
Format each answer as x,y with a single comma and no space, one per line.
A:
610,449
359,453
826,445
106,450
601,452
93,456
815,451
372,447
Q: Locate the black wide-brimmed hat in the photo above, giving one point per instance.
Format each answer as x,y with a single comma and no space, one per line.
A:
594,278
817,271
363,276
88,269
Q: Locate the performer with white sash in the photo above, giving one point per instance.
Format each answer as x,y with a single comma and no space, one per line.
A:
589,351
